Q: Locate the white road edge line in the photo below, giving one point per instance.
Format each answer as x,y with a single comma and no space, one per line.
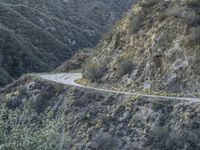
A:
70,78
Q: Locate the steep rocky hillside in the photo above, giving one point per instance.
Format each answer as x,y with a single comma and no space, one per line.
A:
36,114
39,35
156,46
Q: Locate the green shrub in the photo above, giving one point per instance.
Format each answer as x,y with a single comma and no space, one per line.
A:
41,103
135,24
138,121
12,103
176,12
148,3
191,17
5,78
162,16
192,3
176,140
22,90
165,138
93,71
158,136
19,132
104,141
157,105
125,66
194,35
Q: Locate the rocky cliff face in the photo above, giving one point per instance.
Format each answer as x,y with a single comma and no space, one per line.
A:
155,46
39,35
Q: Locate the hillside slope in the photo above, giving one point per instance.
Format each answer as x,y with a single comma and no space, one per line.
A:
38,114
156,46
51,31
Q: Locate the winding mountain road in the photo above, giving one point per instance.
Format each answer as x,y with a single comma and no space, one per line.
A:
70,78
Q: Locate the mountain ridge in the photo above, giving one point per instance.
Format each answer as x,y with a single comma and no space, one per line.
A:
52,29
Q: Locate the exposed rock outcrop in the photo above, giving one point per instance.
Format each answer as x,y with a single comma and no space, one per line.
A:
161,41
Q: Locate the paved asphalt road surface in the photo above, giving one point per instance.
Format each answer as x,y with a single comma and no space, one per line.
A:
70,78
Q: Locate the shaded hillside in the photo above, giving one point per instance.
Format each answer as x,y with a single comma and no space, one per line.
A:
49,32
156,46
36,114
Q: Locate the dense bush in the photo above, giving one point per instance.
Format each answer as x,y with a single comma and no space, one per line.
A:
135,24
125,66
172,138
191,18
104,141
5,78
19,132
44,99
176,12
157,105
194,35
93,71
188,14
12,103
156,135
148,3
192,3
